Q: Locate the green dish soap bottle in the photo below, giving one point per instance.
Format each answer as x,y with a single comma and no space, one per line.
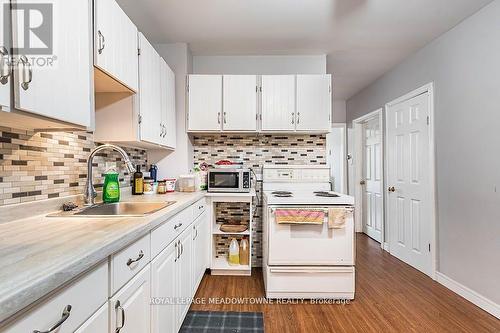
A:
111,189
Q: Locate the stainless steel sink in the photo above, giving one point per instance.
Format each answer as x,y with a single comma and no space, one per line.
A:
126,209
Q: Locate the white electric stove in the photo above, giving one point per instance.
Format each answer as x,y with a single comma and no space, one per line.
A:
302,260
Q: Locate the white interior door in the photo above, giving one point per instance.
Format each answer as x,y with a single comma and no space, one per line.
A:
314,102
409,208
239,103
205,103
5,72
278,102
373,202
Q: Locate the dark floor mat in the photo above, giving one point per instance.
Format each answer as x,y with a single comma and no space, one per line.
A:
222,322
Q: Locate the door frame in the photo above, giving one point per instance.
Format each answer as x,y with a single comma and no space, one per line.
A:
428,88
344,157
358,169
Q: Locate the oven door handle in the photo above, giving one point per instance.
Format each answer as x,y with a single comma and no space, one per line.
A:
311,271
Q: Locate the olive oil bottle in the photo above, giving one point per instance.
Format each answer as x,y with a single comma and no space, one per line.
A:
138,182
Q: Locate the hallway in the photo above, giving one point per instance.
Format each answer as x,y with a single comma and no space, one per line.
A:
390,297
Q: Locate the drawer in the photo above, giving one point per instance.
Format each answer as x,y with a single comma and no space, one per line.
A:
85,295
129,261
310,282
199,207
168,231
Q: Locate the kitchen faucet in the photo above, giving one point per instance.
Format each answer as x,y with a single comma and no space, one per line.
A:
90,192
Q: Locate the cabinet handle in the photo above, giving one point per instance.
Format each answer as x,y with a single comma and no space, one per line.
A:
298,118
176,251
177,226
164,131
293,118
182,248
200,207
118,306
224,117
218,117
65,315
102,42
131,261
4,65
26,80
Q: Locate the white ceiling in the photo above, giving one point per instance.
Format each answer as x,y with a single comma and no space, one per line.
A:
363,38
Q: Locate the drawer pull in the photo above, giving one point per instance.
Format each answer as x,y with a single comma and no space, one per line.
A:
177,226
131,261
201,207
65,316
118,306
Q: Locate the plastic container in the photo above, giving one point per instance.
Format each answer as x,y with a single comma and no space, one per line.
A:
111,188
244,252
187,183
234,252
170,184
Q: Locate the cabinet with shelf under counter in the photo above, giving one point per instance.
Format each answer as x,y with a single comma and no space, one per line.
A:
224,208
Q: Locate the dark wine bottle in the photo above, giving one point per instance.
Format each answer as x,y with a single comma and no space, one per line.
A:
138,182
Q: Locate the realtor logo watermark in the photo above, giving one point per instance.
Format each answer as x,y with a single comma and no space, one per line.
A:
34,31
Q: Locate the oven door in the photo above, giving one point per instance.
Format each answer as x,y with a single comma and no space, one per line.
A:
224,181
309,245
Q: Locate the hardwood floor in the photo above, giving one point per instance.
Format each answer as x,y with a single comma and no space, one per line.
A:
390,297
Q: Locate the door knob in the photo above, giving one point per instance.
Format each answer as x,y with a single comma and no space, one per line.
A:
391,189
363,182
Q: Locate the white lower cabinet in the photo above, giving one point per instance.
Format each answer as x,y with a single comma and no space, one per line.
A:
130,307
164,290
200,252
97,323
68,308
184,274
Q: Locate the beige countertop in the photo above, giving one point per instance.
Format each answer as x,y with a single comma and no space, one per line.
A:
40,254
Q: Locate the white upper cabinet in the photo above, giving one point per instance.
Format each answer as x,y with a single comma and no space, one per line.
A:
57,84
5,70
168,119
239,103
150,93
205,103
115,43
314,102
278,103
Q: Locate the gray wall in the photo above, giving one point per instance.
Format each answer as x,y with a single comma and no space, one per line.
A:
464,64
286,64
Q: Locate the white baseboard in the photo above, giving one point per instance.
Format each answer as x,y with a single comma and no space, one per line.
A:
469,294
386,246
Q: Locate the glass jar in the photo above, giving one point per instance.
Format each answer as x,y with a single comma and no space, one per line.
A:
148,185
162,187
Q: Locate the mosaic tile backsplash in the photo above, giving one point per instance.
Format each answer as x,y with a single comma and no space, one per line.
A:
44,165
255,150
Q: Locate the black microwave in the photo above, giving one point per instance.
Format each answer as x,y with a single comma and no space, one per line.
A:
229,180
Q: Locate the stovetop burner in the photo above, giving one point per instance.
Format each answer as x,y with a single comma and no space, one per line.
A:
282,194
326,194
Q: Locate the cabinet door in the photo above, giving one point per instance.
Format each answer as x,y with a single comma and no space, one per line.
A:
171,120
115,43
278,102
205,103
201,235
185,273
314,102
164,290
57,85
130,307
239,103
167,105
5,71
99,322
149,92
